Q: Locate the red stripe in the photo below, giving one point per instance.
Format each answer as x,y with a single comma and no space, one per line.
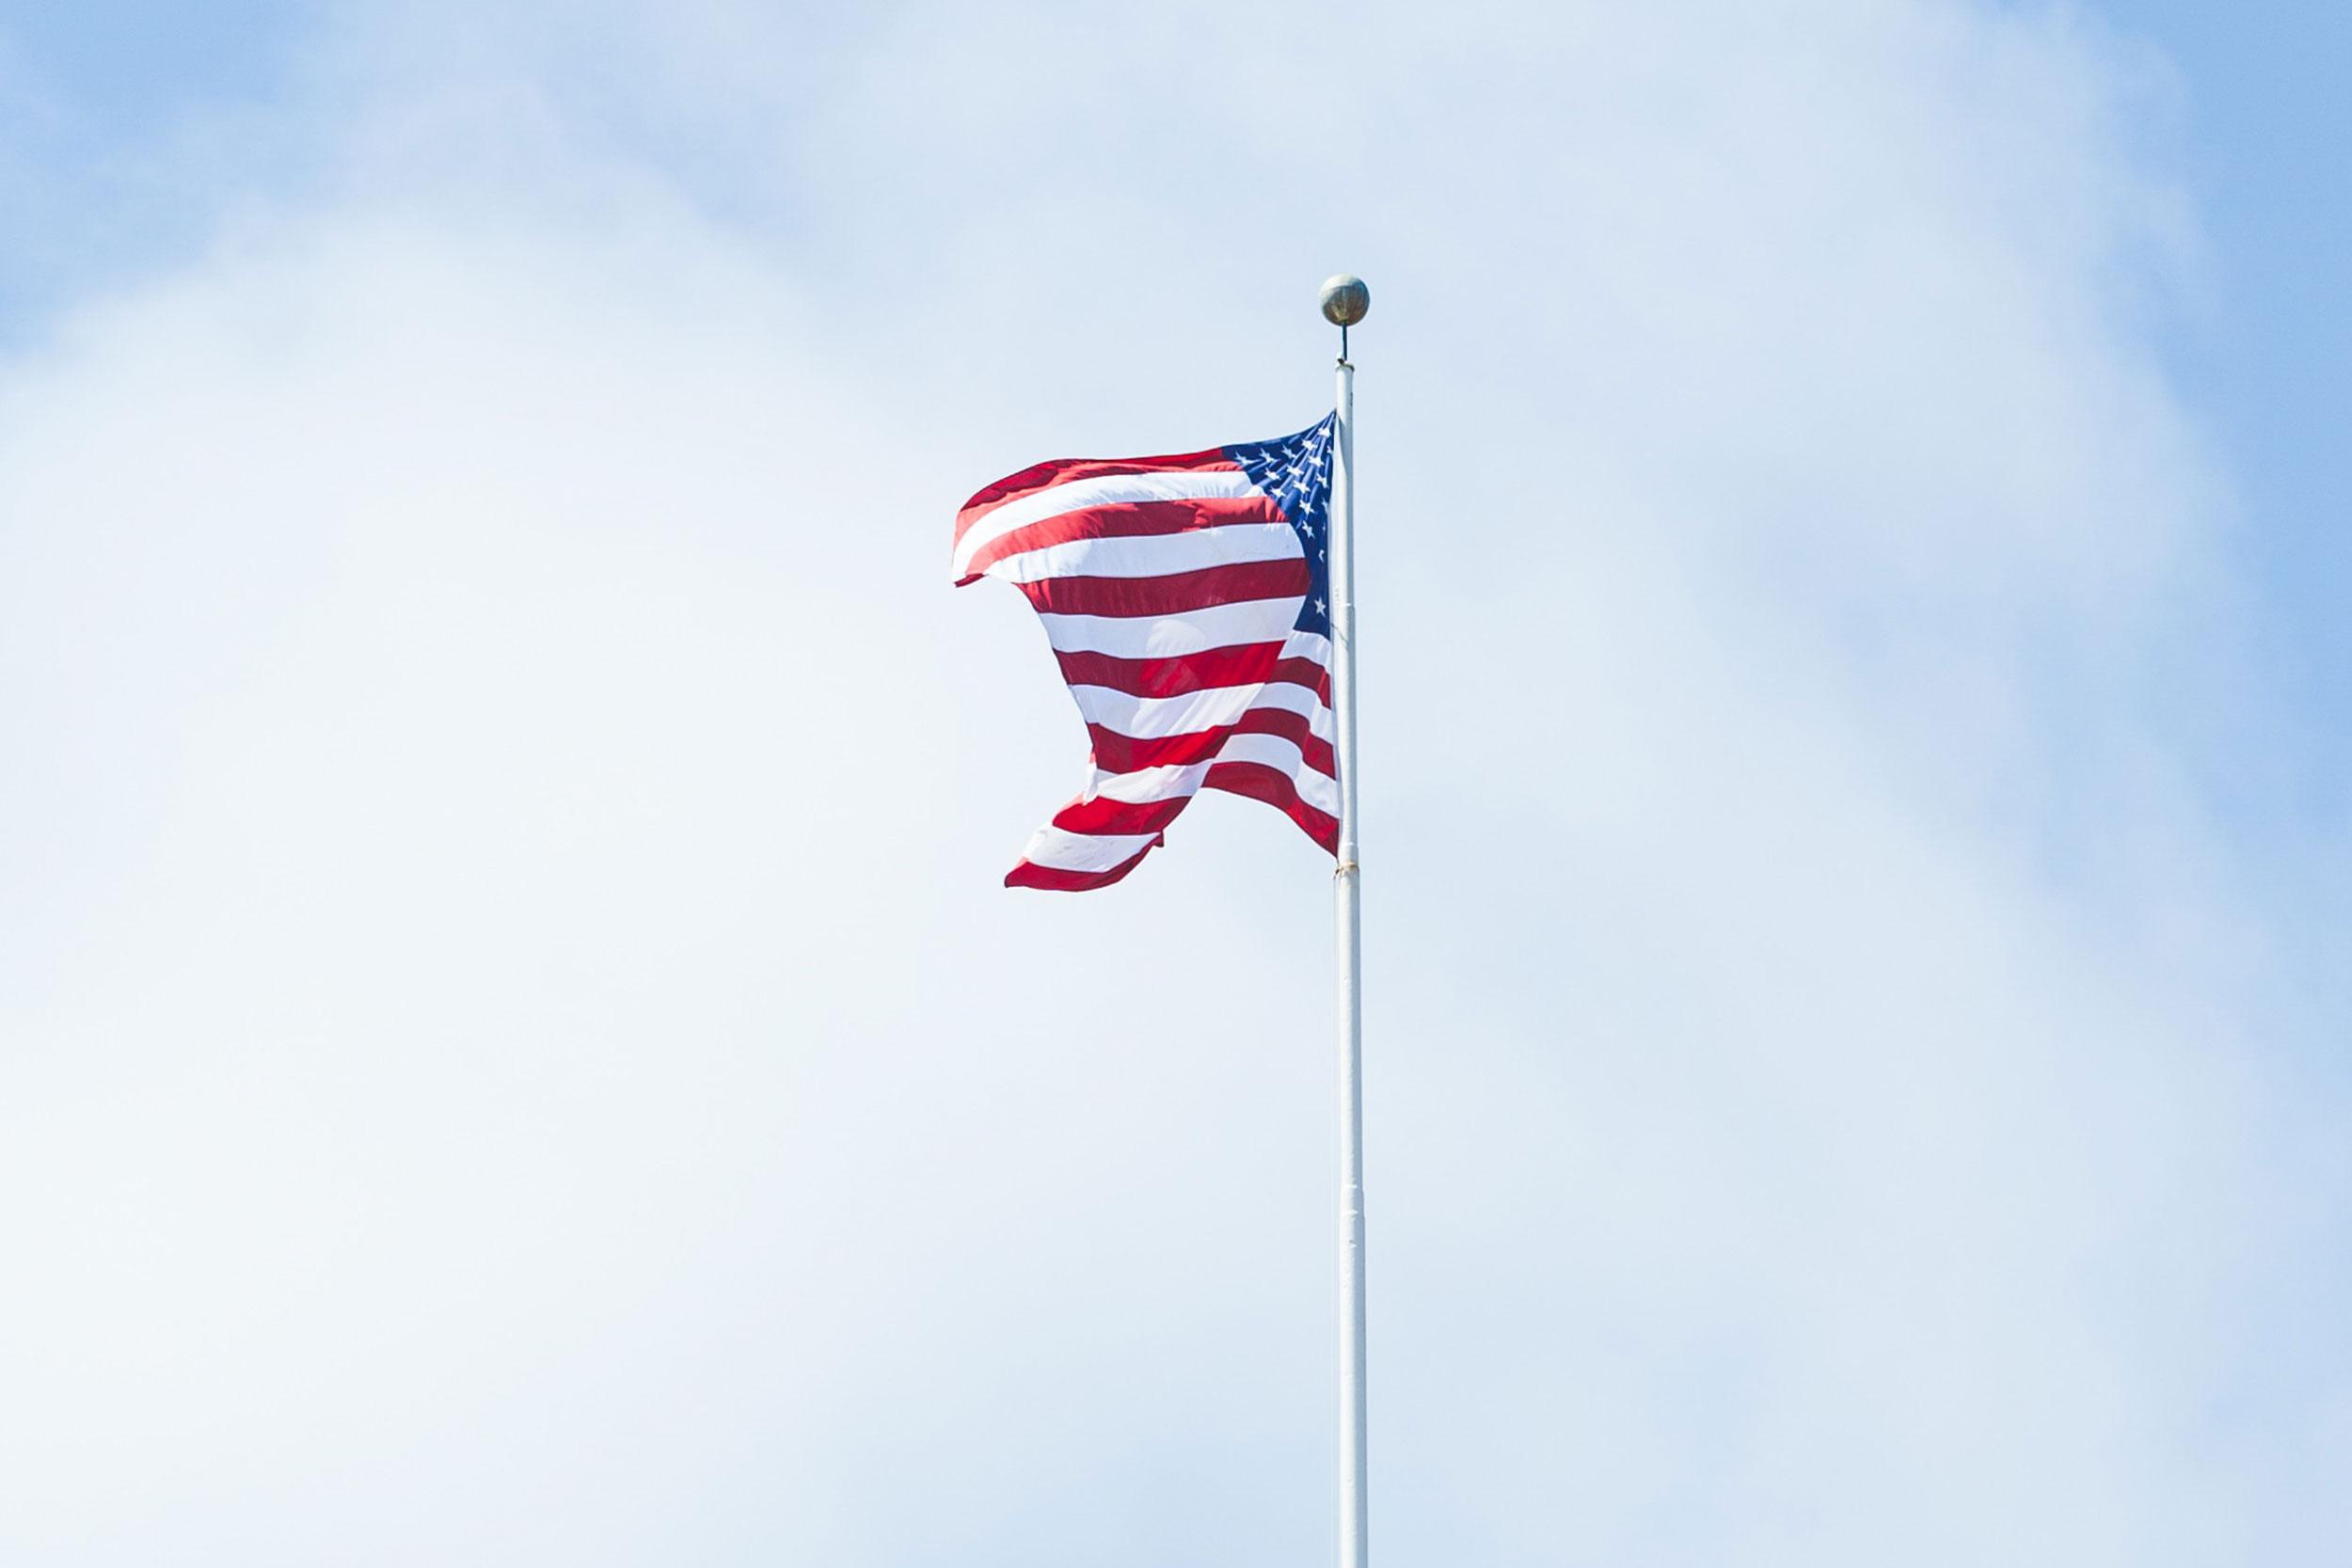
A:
1261,782
1243,664
1126,520
1054,879
1103,815
1172,594
1293,727
1115,753
1306,673
1063,470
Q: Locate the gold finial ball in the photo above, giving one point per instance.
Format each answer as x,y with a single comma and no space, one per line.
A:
1344,299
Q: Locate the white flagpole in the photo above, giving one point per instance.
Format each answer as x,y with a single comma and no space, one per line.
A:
1344,301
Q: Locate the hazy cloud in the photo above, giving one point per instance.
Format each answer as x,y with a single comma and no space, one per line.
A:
514,1048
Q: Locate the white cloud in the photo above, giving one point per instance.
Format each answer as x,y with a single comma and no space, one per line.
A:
515,1050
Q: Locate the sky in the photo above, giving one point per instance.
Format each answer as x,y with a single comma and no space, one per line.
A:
513,1049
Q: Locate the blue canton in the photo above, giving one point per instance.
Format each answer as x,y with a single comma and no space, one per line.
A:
1295,470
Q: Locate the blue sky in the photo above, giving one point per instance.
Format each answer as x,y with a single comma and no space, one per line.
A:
96,98
2261,139
2260,349
511,1046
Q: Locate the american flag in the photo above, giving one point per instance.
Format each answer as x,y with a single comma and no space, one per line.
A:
1188,601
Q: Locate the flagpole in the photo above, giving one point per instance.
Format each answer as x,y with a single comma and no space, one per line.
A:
1344,301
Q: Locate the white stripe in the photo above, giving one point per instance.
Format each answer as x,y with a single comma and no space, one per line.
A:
1168,782
1150,717
1223,626
1154,555
1307,644
1069,851
1165,484
1319,791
